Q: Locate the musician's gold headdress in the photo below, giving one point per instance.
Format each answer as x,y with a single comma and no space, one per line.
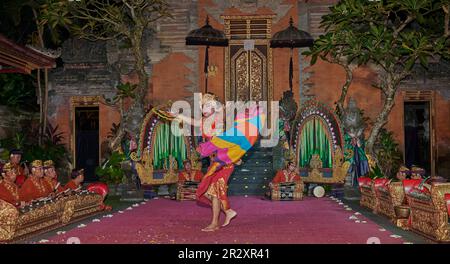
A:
36,163
49,163
7,167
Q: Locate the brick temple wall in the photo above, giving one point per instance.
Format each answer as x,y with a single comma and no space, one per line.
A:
176,70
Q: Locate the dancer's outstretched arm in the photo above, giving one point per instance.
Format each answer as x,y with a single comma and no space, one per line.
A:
187,119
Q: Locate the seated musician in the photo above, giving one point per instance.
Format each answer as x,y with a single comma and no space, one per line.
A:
34,186
187,181
188,174
15,158
289,174
51,178
403,173
9,191
417,173
77,178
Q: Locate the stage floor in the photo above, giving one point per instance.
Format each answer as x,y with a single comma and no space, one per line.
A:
261,221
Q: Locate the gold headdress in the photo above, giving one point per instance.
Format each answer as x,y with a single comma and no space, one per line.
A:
36,163
416,169
403,169
209,97
49,163
7,167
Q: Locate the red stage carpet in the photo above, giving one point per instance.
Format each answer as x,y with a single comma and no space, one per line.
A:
258,221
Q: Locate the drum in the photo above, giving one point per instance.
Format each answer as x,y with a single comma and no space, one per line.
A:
319,191
286,192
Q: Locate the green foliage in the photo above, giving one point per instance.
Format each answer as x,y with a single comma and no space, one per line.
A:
52,147
376,172
17,91
35,19
388,155
123,91
102,20
391,35
111,171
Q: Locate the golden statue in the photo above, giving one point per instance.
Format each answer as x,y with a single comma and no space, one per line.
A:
315,164
144,168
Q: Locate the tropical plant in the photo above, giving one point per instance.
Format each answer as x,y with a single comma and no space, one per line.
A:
376,172
52,148
111,171
388,155
391,36
17,91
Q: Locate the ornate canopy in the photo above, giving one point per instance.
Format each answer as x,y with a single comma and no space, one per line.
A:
291,37
206,36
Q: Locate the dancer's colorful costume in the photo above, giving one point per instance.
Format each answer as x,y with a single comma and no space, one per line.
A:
226,149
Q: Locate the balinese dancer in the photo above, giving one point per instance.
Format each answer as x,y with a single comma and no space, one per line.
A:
225,150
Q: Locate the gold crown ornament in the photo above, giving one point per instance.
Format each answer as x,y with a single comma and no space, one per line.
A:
416,169
403,169
49,163
8,167
209,97
36,163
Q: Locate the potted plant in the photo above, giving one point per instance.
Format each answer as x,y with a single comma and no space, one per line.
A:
111,172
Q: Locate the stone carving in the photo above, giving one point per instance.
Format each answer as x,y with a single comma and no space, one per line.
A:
83,51
352,120
354,126
315,164
279,7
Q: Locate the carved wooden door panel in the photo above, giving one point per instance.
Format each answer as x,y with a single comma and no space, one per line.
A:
248,73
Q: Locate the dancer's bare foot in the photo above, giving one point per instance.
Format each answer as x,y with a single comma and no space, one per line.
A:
229,214
211,228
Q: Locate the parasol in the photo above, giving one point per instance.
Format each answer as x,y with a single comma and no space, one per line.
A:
206,36
291,37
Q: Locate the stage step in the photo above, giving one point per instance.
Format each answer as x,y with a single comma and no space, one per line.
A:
252,177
